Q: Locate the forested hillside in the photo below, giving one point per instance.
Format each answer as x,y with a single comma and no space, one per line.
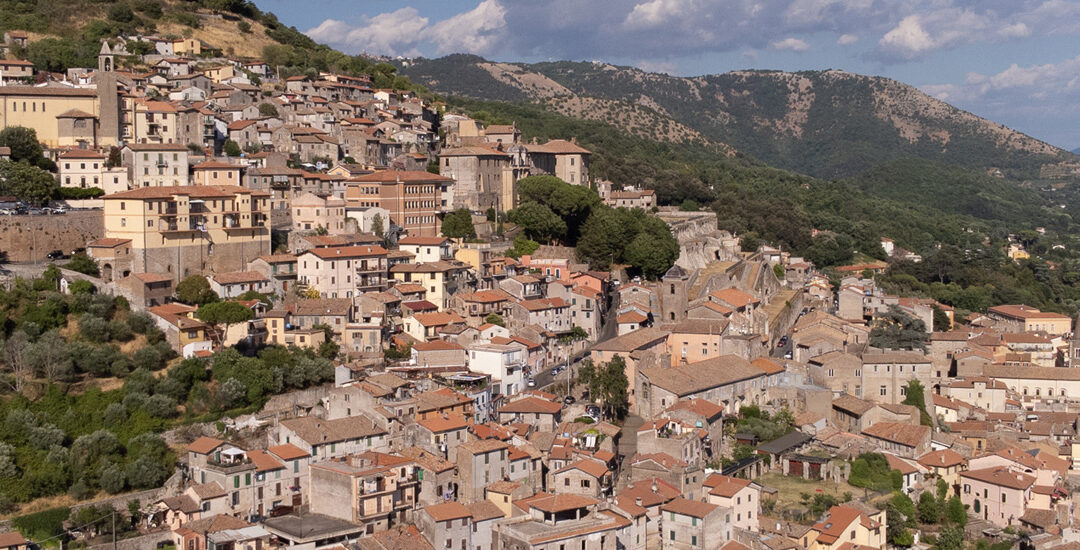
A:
823,123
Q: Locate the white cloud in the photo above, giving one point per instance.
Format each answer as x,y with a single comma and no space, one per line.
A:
476,31
405,32
908,39
656,12
847,39
791,44
1016,30
393,33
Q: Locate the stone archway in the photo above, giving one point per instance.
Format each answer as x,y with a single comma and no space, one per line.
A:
107,273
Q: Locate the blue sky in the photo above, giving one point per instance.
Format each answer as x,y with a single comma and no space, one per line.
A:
1016,62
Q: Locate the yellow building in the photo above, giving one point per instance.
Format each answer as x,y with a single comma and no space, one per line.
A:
187,46
61,117
843,525
189,230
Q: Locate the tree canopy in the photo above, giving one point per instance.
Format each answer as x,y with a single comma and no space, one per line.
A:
895,329
195,290
458,225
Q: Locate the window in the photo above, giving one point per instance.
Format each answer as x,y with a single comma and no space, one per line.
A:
884,390
1002,497
693,540
671,535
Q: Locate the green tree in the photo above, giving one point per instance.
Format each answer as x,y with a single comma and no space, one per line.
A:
217,314
941,319
231,148
377,225
538,222
915,395
895,531
689,205
245,28
268,109
951,538
956,512
895,329
904,505
26,182
195,290
495,319
24,145
458,225
651,256
83,264
929,508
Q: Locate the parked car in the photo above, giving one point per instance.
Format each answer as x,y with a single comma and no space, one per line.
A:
59,210
569,400
592,410
787,355
37,212
531,383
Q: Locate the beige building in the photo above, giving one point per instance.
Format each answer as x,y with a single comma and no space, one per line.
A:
342,271
480,463
188,230
214,172
310,212
373,489
846,527
155,122
87,168
998,495
1021,318
155,165
693,525
741,496
62,116
478,175
562,159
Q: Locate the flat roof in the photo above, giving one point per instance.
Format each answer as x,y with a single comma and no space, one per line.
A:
310,528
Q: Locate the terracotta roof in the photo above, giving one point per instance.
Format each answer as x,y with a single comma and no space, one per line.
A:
530,405
400,176
108,242
277,258
898,432
206,491
663,459
238,277
204,445
590,467
447,511
321,306
768,366
700,407
423,241
725,486
288,451
152,277
264,462
195,191
439,424
852,404
838,519
347,252
687,507
632,316
82,154
1024,312
437,319
437,345
486,296
703,375
901,465
503,487
13,538
561,502
316,431
558,147
734,297
481,446
213,164
484,510
1001,477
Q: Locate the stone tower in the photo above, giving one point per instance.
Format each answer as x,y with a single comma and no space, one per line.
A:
106,58
673,289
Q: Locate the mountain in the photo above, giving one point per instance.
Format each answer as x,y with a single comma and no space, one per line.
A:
1076,151
824,123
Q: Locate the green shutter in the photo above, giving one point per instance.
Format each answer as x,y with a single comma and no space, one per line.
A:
236,482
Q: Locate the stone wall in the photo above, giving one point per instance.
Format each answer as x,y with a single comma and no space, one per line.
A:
27,239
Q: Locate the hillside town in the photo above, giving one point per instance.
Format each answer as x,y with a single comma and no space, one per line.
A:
489,395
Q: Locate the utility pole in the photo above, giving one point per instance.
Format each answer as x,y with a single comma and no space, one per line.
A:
114,529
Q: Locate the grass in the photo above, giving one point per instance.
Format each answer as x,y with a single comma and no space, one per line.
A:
791,489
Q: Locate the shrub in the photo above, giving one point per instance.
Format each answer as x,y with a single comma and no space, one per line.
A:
120,331
139,322
113,479
94,328
42,525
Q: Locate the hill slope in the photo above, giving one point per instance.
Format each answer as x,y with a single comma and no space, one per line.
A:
824,123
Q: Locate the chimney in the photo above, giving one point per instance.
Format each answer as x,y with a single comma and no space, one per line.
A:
637,501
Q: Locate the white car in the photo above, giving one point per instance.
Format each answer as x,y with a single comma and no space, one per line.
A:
531,383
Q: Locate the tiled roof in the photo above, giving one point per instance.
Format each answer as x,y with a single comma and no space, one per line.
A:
687,507
316,431
531,405
401,176
204,445
703,375
447,511
725,486
1003,477
898,432
344,252
238,277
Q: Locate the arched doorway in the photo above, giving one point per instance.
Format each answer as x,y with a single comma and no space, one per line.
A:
106,273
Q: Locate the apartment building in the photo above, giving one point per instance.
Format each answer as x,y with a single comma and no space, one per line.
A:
155,164
414,199
563,159
186,230
84,168
311,212
343,271
693,525
480,463
213,172
373,489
